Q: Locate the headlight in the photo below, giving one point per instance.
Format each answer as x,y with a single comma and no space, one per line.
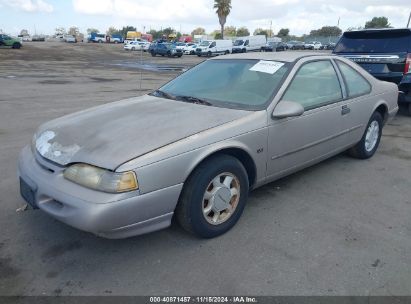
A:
101,179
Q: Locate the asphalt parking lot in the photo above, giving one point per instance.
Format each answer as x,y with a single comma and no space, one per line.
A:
339,228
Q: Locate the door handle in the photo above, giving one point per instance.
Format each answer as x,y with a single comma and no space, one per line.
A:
345,110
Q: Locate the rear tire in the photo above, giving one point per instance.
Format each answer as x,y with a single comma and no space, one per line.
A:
370,141
16,45
153,54
213,197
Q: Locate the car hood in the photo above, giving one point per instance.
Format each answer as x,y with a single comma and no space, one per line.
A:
110,135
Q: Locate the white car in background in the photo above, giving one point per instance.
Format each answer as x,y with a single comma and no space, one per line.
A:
190,49
313,45
134,46
145,45
70,39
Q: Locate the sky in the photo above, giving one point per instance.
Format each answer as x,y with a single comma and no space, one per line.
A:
43,16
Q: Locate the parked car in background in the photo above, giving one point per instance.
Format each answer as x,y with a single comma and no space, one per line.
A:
7,41
329,46
133,46
184,46
385,53
275,47
38,38
214,47
191,49
116,39
193,149
97,37
165,49
180,45
295,45
313,45
69,39
249,43
146,45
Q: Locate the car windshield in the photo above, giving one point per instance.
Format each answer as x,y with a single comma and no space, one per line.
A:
374,42
205,43
238,42
231,83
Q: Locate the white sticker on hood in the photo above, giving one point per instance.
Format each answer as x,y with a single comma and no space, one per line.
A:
269,67
54,151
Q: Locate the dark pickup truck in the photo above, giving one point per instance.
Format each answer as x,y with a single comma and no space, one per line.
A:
384,53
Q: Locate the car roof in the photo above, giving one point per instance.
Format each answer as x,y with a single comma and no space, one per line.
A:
279,56
383,30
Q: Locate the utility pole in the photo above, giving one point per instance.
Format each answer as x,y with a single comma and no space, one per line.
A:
271,28
338,23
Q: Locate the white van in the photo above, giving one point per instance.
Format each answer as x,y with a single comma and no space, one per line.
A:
214,47
250,43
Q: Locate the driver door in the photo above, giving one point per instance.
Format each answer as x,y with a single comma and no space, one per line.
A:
297,142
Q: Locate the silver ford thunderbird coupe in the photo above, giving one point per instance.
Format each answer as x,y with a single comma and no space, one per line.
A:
194,148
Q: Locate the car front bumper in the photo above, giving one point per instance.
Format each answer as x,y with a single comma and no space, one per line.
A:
104,214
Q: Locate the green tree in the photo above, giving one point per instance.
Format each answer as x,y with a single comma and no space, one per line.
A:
155,34
113,31
60,31
167,31
223,9
125,29
198,31
378,22
230,31
217,35
74,31
92,30
242,32
326,31
284,32
260,31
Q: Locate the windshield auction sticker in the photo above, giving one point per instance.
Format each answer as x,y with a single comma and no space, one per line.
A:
269,67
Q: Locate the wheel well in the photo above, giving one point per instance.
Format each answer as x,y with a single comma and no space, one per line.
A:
383,110
243,157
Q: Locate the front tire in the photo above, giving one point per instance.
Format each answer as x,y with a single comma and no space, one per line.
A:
370,141
213,197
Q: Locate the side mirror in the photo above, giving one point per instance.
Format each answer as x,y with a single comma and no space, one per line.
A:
286,109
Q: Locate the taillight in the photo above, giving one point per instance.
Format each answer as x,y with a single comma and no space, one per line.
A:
408,64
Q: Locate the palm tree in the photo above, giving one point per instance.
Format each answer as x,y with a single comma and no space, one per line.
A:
223,8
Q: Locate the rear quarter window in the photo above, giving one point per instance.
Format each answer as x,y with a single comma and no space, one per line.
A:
356,84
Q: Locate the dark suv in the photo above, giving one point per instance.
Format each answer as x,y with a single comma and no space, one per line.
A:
165,49
384,53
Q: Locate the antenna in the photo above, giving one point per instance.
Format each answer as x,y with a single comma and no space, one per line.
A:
409,19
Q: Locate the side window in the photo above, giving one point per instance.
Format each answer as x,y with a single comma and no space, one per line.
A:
316,84
356,84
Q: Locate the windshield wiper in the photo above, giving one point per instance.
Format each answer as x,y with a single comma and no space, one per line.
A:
159,93
196,100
